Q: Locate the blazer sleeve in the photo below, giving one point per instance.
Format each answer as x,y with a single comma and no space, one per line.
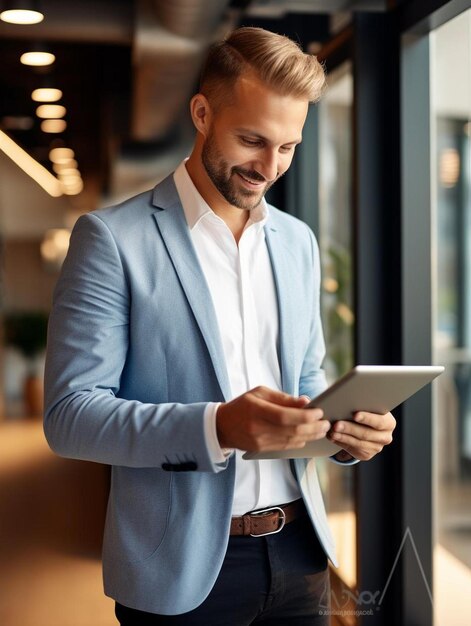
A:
86,353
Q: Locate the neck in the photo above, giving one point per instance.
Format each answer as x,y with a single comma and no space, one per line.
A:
234,218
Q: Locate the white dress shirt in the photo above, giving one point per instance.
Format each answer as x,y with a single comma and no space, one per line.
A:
242,288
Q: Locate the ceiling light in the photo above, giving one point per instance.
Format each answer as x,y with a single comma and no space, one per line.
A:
53,126
30,166
72,184
48,111
70,177
64,164
22,12
73,190
69,173
37,58
58,155
46,94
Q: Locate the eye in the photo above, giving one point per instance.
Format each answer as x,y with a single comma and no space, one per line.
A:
286,149
253,143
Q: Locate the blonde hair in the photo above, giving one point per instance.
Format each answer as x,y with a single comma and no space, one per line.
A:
275,59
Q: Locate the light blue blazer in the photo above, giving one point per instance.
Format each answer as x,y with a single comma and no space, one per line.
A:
134,354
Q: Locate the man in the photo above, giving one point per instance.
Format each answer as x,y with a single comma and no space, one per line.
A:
185,330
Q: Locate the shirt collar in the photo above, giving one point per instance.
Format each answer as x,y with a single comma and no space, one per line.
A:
195,207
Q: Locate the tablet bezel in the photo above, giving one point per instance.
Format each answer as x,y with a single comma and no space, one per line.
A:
373,388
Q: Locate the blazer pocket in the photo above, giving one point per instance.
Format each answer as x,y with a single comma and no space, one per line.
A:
138,513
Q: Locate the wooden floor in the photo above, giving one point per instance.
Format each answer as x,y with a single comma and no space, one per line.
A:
51,519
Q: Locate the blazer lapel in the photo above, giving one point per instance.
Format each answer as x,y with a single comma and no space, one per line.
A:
280,261
175,233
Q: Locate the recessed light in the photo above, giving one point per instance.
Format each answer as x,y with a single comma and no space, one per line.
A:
48,111
73,190
53,126
37,58
22,12
46,94
69,173
59,155
64,165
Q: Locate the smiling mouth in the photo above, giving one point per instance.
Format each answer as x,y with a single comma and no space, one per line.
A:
254,184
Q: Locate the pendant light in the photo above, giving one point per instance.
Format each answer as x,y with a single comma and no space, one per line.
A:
51,111
53,126
37,58
47,90
21,12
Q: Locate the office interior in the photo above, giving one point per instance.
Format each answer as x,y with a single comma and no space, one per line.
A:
383,176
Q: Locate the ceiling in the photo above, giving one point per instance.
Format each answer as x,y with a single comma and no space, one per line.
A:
127,69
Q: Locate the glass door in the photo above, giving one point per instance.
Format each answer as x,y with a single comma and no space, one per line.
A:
336,245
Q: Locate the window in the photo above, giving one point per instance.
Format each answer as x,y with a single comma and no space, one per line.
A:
451,194
335,240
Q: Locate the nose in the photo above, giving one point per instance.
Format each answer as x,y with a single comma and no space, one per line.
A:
268,165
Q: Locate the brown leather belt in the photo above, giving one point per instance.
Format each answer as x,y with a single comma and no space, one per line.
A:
267,521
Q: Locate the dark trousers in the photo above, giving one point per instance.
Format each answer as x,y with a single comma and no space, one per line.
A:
274,580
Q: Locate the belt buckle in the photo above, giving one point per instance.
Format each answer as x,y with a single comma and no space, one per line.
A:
282,520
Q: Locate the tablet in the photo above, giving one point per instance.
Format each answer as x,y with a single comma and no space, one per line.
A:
373,388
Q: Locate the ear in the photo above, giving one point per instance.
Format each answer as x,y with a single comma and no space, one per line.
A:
200,113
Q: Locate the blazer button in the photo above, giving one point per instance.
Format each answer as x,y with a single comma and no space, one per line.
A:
190,466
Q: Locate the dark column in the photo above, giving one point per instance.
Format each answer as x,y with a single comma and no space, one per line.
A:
377,232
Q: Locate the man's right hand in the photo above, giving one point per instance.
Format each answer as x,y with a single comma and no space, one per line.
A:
264,419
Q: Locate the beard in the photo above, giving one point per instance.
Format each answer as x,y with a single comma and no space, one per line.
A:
224,178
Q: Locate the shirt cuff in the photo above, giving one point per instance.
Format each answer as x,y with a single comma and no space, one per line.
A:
216,453
337,462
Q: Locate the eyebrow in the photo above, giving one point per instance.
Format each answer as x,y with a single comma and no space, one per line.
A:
247,131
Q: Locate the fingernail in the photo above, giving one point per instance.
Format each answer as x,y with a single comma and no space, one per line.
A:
358,417
339,427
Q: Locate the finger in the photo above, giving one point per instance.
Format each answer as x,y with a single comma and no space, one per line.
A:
266,435
305,432
362,433
277,397
293,417
306,399
286,416
310,432
362,450
296,440
379,422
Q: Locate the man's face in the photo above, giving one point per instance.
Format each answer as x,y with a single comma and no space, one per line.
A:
251,142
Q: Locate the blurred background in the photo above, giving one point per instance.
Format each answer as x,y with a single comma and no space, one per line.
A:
93,109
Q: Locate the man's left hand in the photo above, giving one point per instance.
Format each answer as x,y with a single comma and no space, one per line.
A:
364,436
